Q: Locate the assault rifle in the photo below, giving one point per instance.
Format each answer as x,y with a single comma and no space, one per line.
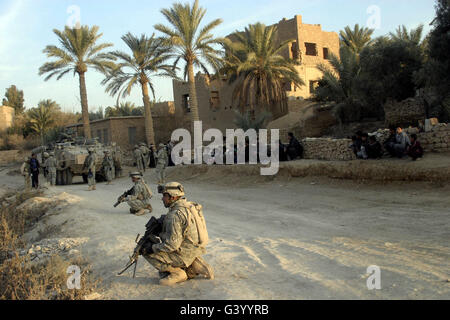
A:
122,197
144,245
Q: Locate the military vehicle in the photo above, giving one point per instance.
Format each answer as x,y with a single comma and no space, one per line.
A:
70,157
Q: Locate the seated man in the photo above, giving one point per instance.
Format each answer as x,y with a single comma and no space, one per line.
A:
401,143
390,142
374,150
294,148
362,153
356,143
415,150
138,197
178,256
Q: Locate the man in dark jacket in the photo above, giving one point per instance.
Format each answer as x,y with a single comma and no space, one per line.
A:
415,150
374,150
34,170
294,148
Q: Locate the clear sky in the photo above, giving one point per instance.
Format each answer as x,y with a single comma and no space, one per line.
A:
26,28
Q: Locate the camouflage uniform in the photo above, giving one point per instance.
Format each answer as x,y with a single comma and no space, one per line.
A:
138,159
161,163
145,155
140,199
108,167
50,164
26,173
89,163
117,157
178,248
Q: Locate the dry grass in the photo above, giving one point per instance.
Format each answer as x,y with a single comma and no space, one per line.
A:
23,279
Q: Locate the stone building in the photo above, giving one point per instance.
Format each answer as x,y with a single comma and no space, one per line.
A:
128,131
6,117
310,45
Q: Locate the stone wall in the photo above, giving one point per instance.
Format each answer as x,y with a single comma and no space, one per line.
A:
327,149
404,113
436,140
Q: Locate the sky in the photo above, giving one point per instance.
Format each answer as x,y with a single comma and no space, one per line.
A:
26,28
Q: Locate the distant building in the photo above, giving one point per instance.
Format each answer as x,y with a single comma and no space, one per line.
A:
6,117
310,45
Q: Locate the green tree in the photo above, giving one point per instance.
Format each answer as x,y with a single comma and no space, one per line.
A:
413,36
192,44
254,63
247,120
125,109
149,58
14,99
79,50
357,39
42,117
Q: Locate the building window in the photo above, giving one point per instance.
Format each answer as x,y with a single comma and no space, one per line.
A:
295,51
186,103
105,136
132,135
214,101
325,53
313,85
311,49
287,86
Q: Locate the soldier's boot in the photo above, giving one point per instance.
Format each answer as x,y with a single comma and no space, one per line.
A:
94,187
90,188
149,208
141,212
132,211
176,275
200,268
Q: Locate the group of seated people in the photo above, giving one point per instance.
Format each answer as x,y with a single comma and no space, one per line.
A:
397,145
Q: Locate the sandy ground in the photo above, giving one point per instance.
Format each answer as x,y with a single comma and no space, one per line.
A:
307,238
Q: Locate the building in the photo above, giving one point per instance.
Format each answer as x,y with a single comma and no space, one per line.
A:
128,131
6,117
310,45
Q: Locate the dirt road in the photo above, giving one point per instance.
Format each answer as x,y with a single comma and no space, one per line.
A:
308,238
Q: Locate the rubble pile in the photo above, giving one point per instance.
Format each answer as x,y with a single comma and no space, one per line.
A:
49,247
404,112
327,149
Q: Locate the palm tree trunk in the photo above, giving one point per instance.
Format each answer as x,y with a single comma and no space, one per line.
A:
193,102
84,107
149,132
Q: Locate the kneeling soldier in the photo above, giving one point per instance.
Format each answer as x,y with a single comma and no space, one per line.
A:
183,239
138,197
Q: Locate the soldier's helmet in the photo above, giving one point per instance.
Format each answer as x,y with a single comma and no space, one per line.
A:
174,189
46,155
136,174
136,146
113,144
162,145
26,158
90,150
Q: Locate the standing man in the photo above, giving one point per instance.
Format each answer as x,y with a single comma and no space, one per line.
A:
117,157
34,168
50,165
145,154
161,163
183,239
26,173
45,156
138,159
108,166
89,164
152,161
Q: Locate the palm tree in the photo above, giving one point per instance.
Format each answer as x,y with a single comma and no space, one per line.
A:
79,50
125,109
253,61
414,36
356,39
247,120
191,44
149,57
42,117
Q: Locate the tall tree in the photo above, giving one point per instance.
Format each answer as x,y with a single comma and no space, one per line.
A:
149,58
356,39
79,50
14,99
413,36
192,44
124,109
253,61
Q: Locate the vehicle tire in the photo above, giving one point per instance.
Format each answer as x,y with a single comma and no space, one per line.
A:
64,177
58,178
69,177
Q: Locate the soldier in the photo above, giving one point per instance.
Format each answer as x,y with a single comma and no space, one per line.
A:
138,159
117,157
26,173
50,165
45,156
108,166
152,161
138,198
145,155
161,163
89,164
34,168
178,256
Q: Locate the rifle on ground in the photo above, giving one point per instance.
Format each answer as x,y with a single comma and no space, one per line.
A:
144,245
122,197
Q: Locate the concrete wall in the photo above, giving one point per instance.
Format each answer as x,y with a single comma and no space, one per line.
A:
6,117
